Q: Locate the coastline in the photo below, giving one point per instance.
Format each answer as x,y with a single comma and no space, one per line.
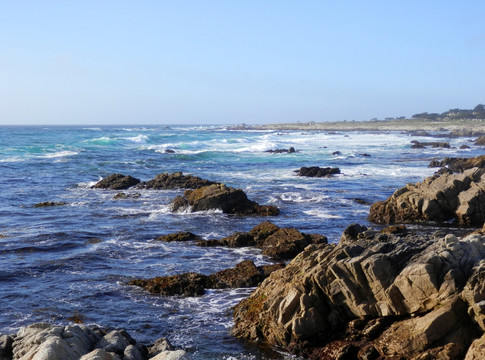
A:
473,126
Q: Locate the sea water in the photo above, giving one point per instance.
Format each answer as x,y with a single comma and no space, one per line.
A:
74,261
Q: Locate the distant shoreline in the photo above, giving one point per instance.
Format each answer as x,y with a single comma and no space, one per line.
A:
469,127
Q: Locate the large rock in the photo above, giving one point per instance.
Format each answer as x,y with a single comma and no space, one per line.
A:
221,197
480,140
458,165
116,182
175,181
279,243
406,293
438,198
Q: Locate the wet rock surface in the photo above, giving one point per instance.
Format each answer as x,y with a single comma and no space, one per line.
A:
244,274
116,182
178,180
315,171
403,296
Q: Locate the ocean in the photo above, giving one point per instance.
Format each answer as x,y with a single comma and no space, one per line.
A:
74,261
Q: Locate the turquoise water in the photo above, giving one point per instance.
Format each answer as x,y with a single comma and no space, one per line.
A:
76,259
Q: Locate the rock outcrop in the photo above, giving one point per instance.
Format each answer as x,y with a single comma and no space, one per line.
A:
315,171
441,198
433,144
42,341
480,140
279,151
458,165
279,243
245,274
176,180
116,182
394,297
221,197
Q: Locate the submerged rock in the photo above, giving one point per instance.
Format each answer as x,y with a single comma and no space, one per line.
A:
116,182
459,197
315,171
221,197
49,204
245,274
279,151
434,144
406,297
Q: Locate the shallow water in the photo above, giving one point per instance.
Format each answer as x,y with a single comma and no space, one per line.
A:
76,259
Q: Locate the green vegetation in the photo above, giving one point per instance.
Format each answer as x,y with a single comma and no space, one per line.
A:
477,113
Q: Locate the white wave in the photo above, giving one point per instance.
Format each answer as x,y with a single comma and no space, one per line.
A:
322,214
139,139
296,197
58,154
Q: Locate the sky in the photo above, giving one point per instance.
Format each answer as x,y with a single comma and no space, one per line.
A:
234,61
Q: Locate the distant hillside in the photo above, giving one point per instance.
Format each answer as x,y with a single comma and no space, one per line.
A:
454,114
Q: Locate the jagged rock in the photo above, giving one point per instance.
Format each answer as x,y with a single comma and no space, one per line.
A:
476,350
245,274
474,293
440,198
116,182
159,346
480,140
176,180
170,355
410,286
315,171
115,341
219,196
458,165
279,243
100,354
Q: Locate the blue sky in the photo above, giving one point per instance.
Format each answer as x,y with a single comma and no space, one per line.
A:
228,62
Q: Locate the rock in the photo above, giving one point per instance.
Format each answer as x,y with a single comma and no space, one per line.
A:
6,342
188,284
476,349
336,153
438,198
245,274
116,182
160,345
464,147
411,297
458,165
351,233
480,140
279,151
49,204
176,180
100,354
279,243
115,341
170,355
179,236
227,199
423,145
122,195
316,171
135,352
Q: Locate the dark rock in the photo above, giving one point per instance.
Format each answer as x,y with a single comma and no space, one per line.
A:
176,180
352,232
336,153
122,195
49,204
189,284
463,147
245,274
315,171
227,199
279,151
458,165
6,348
179,236
422,145
362,201
116,182
169,151
279,243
